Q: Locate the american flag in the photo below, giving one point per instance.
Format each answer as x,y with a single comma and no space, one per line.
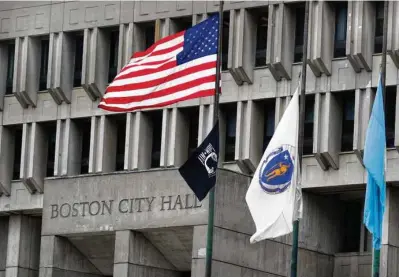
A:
176,68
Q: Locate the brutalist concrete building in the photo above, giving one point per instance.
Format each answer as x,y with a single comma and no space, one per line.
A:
84,192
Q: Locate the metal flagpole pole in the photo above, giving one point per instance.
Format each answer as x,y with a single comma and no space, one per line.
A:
295,233
211,209
376,252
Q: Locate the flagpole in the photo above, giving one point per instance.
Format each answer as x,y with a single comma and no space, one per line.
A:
376,252
295,232
211,209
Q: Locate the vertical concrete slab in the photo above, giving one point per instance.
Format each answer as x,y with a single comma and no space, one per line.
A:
23,249
136,256
178,139
6,159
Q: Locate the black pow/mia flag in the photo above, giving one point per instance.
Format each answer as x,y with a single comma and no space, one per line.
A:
199,171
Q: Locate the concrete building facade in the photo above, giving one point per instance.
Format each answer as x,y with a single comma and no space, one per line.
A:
84,192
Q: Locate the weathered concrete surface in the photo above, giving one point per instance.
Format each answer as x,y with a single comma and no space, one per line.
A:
136,256
140,200
23,248
59,258
3,244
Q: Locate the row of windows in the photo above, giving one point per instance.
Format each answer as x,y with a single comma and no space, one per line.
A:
148,29
229,113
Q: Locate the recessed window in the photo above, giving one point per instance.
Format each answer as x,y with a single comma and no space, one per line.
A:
120,122
341,12
225,39
44,55
50,130
17,131
309,125
379,24
390,110
77,73
192,117
351,222
83,125
156,122
230,115
299,27
10,66
182,23
261,36
113,55
269,119
348,120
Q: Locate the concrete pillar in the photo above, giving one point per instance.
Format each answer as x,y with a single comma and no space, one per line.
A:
390,236
59,258
3,244
136,256
23,248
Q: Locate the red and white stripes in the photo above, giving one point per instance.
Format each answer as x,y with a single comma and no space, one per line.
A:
153,78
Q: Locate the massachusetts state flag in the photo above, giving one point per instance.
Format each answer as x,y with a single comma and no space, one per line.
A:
274,195
176,68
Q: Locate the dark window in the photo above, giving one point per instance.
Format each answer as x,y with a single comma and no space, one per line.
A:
341,11
77,74
44,51
10,67
348,119
149,34
261,37
379,22
156,119
299,27
120,142
17,152
269,117
192,115
113,55
50,129
84,130
183,23
309,125
225,39
230,113
390,110
351,226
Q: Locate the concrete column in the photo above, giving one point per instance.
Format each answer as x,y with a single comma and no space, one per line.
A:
59,258
327,130
390,236
136,256
34,154
7,138
23,249
102,145
125,44
26,70
242,38
61,66
3,244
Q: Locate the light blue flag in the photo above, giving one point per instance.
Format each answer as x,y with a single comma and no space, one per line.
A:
374,161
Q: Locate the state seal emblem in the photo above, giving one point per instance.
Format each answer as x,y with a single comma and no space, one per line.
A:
276,172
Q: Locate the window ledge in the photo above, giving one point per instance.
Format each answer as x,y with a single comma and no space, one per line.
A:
339,59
